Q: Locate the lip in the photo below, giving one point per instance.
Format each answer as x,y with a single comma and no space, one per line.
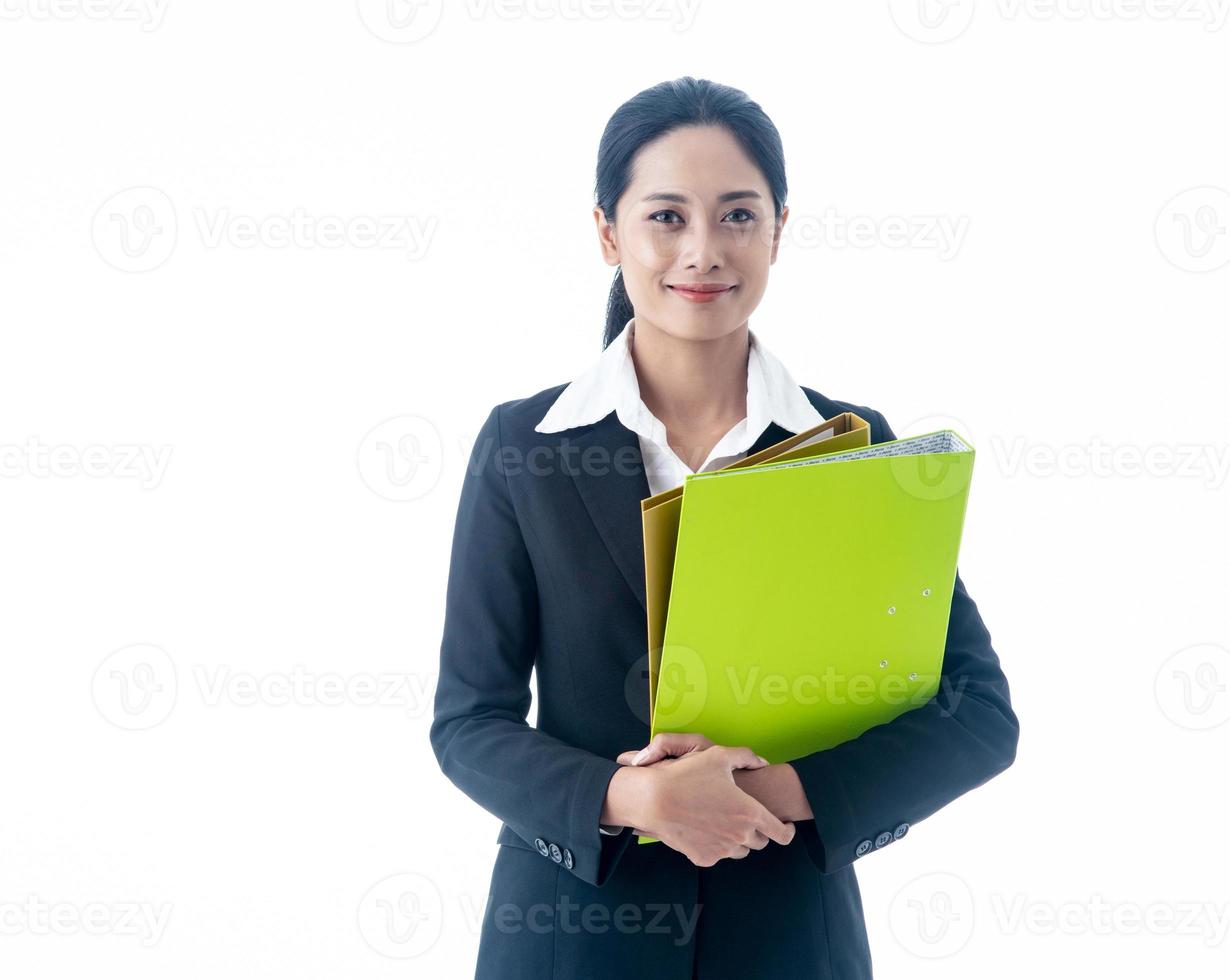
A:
701,292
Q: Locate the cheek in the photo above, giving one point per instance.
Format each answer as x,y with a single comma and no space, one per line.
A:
754,266
649,250
753,291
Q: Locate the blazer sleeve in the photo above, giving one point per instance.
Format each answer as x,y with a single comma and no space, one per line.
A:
866,792
541,787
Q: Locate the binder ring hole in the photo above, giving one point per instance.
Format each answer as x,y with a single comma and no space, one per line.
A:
883,663
891,610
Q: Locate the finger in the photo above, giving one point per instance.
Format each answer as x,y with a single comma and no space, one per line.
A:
698,740
744,758
651,753
758,842
774,829
771,827
625,758
662,745
740,852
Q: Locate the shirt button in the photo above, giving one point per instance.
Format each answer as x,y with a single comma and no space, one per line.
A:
568,861
542,846
883,839
556,856
863,847
900,831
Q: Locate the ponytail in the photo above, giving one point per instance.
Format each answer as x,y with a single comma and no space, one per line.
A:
618,309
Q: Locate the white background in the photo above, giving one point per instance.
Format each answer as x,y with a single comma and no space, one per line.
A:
1074,326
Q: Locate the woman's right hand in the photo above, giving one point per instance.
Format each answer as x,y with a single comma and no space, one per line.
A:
696,807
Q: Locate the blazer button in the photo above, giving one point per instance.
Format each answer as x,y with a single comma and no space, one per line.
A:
883,839
542,846
863,847
900,831
556,856
568,861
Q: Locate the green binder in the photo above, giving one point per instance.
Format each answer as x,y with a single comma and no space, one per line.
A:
809,599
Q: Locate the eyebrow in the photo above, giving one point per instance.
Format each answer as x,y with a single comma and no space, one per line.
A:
681,199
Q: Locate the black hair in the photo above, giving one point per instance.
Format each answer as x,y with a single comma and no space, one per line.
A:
657,111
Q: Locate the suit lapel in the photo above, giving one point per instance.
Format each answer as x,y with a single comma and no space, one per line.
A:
610,477
612,483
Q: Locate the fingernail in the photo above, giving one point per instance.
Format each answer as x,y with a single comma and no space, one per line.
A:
639,756
763,760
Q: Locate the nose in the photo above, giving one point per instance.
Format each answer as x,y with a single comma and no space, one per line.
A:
701,248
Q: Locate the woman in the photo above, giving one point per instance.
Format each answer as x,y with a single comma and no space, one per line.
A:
755,875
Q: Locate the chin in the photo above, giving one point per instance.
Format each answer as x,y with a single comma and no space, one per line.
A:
696,325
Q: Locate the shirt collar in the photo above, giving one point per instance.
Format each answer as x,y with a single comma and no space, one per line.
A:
610,383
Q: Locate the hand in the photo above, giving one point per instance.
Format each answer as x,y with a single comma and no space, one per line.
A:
665,748
696,808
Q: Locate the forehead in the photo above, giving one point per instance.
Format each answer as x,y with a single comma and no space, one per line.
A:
701,161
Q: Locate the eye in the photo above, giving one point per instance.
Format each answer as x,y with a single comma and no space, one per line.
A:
659,214
750,216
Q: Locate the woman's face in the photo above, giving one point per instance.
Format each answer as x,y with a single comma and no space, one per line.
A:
697,212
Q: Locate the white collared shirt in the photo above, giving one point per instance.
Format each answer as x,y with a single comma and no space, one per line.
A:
611,383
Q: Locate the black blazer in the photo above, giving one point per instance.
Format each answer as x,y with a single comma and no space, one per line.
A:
547,572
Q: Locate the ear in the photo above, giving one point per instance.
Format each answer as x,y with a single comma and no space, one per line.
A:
777,232
606,237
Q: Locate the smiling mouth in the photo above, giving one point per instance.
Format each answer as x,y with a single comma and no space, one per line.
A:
701,288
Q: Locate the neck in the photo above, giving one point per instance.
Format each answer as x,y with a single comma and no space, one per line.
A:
701,381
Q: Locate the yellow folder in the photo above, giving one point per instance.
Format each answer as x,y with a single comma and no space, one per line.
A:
800,597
